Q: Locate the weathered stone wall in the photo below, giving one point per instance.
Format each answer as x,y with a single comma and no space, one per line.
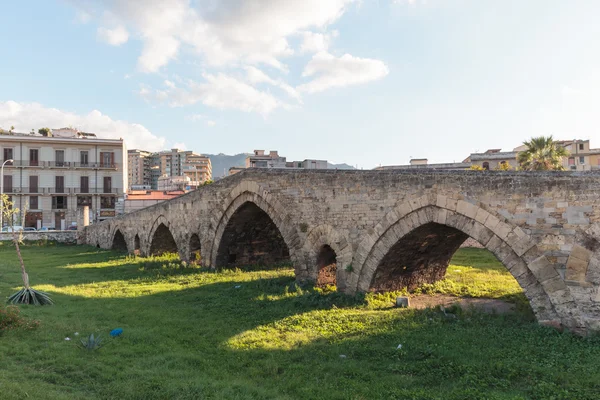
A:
544,227
69,237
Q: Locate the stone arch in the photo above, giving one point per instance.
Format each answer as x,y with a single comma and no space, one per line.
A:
326,266
319,237
271,212
162,241
137,247
195,248
547,292
118,242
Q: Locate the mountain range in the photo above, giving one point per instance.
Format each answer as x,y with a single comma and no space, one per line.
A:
222,162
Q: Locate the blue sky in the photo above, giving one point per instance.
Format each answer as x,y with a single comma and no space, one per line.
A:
364,82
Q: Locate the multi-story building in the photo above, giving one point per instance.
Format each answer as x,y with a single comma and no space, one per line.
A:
138,168
196,167
494,159
273,160
55,175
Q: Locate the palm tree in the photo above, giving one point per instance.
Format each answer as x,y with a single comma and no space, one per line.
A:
542,154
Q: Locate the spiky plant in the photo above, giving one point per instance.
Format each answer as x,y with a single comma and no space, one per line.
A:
27,295
92,343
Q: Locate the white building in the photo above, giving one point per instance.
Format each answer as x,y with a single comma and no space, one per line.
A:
54,176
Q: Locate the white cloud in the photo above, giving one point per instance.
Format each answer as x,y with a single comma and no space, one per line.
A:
218,91
330,71
114,37
224,32
255,76
211,123
126,76
25,116
228,38
316,42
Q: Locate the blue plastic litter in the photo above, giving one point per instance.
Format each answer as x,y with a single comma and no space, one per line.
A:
116,332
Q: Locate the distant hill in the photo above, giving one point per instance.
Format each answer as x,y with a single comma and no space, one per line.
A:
339,166
222,162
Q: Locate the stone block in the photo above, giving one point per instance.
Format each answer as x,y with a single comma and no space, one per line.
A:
466,208
403,302
542,269
491,222
576,269
581,253
481,216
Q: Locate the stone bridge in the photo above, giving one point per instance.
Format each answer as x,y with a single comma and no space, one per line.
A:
383,230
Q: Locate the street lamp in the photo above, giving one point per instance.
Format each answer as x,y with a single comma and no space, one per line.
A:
2,190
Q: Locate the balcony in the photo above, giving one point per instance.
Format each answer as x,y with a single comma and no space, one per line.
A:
58,164
57,190
91,190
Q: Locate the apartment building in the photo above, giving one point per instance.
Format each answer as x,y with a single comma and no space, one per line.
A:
139,174
147,169
494,159
55,175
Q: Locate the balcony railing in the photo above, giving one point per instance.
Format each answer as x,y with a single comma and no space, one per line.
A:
58,190
60,164
94,191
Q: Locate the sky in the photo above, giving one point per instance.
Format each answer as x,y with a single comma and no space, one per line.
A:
365,82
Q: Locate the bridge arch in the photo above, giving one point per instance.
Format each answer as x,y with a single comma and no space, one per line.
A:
441,224
324,244
118,241
161,239
250,215
195,248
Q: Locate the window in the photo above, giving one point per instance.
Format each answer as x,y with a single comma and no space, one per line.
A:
107,202
7,155
33,184
581,160
486,166
580,146
571,161
84,201
60,184
59,202
83,158
60,158
107,159
107,184
8,184
33,203
84,184
34,157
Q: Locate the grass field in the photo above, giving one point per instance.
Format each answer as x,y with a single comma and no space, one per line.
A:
194,334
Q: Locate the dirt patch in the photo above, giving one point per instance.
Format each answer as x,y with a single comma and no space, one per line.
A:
485,305
327,276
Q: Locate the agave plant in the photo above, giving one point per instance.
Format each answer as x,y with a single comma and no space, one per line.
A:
27,295
92,343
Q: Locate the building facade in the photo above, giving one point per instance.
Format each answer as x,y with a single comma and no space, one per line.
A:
53,176
150,168
273,160
138,168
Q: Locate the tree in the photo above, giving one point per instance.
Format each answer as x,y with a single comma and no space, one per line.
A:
12,128
27,295
45,132
542,154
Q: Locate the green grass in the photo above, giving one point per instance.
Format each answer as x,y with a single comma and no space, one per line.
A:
194,334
